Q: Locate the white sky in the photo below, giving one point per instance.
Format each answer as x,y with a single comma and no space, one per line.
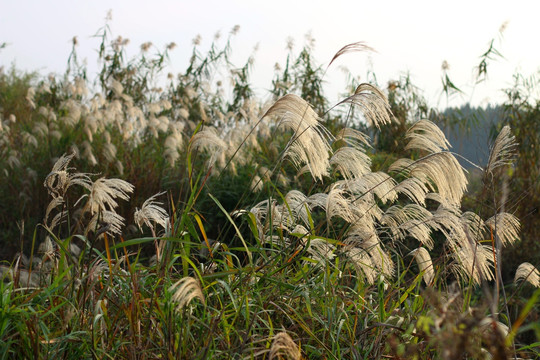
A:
409,36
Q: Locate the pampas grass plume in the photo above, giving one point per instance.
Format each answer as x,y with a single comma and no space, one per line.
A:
528,272
283,347
185,290
424,264
151,213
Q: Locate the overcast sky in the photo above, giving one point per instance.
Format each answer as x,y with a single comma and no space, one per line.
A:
409,36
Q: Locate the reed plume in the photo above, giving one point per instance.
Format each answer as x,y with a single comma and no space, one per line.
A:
372,103
527,272
104,192
503,150
283,347
184,291
424,264
151,214
308,145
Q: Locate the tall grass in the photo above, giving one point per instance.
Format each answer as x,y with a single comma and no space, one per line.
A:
200,227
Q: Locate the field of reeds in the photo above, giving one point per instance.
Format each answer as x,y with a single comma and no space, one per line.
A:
151,215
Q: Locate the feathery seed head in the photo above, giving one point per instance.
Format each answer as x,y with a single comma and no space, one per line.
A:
353,47
528,272
474,262
46,247
337,205
309,143
104,192
362,262
59,179
117,87
185,290
197,40
424,264
444,171
503,150
320,250
235,29
351,162
414,189
354,138
256,184
366,239
88,153
425,135
373,104
146,46
506,226
105,221
408,220
474,225
55,202
283,347
208,139
151,213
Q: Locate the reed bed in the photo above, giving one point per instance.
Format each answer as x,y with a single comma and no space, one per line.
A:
176,223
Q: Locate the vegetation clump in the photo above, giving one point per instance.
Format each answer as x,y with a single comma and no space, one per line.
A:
171,221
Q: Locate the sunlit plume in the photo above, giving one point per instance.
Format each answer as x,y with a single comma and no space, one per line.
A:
474,262
503,150
184,291
425,135
372,103
151,214
440,171
60,179
209,140
361,260
354,138
308,145
529,273
410,220
351,162
506,226
105,221
104,192
424,264
283,347
414,189
320,250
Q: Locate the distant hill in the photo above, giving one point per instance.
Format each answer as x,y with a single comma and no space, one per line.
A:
469,130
